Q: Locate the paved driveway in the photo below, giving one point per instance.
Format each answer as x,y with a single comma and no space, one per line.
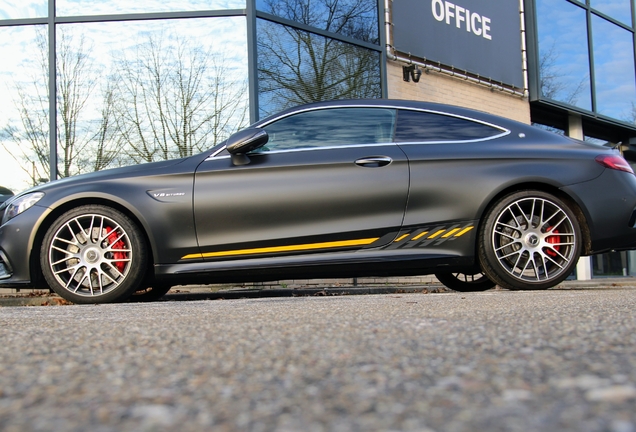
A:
494,361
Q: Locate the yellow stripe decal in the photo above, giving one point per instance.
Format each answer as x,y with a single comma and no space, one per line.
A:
419,236
450,233
437,233
402,238
290,248
464,231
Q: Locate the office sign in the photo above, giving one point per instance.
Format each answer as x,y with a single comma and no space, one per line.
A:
479,36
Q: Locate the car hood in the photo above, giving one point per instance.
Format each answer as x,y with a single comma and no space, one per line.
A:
119,173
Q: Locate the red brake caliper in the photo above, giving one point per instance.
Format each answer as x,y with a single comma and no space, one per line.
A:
553,239
119,257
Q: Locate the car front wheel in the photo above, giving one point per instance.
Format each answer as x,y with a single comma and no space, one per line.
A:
93,254
529,240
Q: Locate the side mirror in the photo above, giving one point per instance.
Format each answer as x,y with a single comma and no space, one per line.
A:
244,142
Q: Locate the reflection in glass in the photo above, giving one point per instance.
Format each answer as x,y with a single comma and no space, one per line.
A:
563,54
16,9
296,67
24,112
549,128
143,91
354,18
610,264
414,126
331,128
90,7
614,70
620,10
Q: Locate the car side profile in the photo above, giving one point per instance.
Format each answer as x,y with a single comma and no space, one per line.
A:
332,189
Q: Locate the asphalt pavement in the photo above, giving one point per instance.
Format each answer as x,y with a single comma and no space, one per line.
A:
557,360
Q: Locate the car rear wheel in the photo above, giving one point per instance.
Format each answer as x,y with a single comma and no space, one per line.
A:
529,240
93,254
150,294
465,282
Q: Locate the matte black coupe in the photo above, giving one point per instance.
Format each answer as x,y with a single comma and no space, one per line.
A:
334,189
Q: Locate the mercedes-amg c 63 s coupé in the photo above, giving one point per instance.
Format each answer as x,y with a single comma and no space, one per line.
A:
333,189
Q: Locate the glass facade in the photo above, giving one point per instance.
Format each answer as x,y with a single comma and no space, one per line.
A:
113,7
357,19
152,80
24,113
585,56
296,67
20,9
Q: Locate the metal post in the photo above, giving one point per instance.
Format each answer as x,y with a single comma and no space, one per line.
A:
52,94
575,130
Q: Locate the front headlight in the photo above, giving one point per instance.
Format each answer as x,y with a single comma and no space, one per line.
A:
20,204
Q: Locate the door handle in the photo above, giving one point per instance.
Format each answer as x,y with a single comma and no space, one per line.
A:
374,161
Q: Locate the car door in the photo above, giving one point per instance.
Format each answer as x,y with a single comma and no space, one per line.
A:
453,162
328,180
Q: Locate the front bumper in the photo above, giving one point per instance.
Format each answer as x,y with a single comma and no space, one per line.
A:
17,239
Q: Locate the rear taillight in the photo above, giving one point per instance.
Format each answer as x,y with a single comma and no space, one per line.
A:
613,161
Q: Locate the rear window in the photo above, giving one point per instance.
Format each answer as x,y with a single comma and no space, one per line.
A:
418,126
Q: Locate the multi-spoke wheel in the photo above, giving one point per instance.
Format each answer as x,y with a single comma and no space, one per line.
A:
465,282
529,240
93,254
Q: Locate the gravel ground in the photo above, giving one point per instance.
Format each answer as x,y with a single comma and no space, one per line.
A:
494,361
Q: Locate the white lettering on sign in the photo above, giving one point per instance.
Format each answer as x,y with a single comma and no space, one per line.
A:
452,14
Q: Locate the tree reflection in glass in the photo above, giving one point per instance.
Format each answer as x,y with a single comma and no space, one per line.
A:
134,92
563,54
353,18
297,67
24,128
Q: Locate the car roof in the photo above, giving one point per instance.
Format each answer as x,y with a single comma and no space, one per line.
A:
401,104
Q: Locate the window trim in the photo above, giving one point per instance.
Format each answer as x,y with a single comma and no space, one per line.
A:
504,131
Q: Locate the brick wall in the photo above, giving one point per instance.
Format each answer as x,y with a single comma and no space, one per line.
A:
441,88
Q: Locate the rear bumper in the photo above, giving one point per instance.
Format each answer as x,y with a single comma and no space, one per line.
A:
609,206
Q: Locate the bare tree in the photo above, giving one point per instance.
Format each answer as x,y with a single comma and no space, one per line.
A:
28,142
552,82
75,84
174,99
297,67
77,144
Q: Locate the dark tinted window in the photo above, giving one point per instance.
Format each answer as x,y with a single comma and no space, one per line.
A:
416,126
332,127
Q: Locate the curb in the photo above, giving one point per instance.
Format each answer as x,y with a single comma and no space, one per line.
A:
199,293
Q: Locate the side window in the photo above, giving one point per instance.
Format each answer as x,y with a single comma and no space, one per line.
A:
331,128
418,126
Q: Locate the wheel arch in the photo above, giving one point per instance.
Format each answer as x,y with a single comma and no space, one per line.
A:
547,188
37,277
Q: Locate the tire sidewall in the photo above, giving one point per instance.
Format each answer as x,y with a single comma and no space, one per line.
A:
451,281
138,265
487,257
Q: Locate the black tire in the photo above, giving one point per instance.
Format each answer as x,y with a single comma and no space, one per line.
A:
529,240
93,254
150,294
465,282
